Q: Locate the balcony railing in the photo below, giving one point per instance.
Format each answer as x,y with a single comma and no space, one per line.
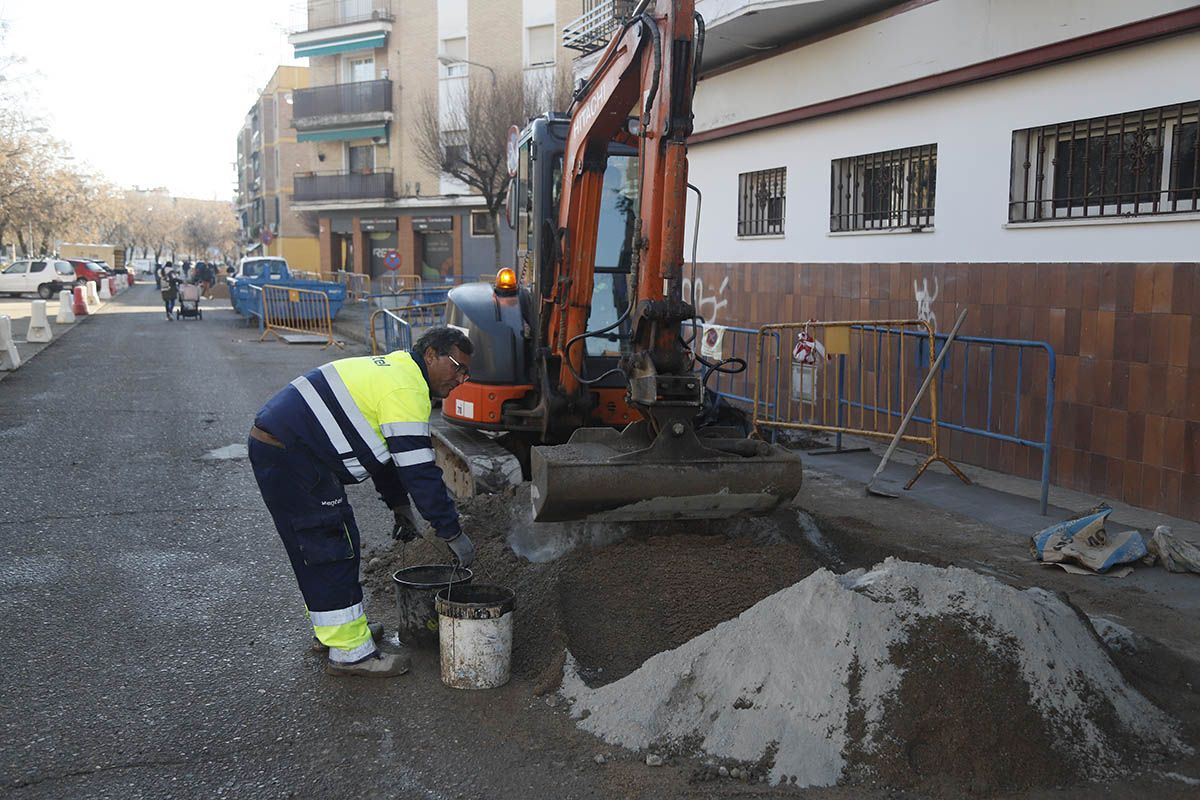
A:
600,19
344,12
312,186
365,97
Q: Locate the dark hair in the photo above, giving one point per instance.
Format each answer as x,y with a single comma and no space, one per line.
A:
443,339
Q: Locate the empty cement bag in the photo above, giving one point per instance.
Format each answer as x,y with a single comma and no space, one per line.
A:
1083,542
1174,553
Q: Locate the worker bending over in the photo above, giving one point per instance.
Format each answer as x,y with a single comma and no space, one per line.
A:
338,424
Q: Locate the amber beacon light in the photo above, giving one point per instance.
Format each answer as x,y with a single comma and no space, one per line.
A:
506,281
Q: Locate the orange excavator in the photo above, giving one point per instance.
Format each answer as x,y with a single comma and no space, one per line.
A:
581,368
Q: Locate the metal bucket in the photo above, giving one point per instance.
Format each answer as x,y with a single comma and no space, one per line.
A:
415,587
475,627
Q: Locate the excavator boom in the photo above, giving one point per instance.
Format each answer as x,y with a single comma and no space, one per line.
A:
659,466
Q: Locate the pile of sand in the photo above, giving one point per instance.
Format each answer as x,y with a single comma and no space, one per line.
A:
903,675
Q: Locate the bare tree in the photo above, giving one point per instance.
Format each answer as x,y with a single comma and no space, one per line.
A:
464,135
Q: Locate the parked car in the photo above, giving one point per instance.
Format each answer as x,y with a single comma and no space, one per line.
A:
86,270
44,276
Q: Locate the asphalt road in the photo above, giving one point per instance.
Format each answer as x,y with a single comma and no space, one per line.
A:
154,641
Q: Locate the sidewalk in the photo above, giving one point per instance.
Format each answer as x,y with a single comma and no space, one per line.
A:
987,527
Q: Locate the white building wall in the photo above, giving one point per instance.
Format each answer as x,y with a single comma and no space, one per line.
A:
928,40
972,126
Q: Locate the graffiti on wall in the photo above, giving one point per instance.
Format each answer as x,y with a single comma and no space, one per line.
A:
708,306
925,300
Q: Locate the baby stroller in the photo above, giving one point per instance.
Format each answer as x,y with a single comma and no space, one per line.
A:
189,302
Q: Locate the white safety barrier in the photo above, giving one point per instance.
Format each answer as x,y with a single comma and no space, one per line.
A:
92,298
105,291
9,357
39,326
66,299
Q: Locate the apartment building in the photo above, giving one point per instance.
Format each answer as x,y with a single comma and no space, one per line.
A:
373,63
1034,163
268,155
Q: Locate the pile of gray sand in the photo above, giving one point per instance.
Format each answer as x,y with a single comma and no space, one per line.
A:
904,675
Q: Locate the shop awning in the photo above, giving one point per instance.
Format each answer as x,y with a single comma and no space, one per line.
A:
367,41
341,134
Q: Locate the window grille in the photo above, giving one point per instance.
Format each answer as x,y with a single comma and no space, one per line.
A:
893,189
761,200
1135,163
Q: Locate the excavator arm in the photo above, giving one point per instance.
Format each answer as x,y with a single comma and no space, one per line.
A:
651,63
658,466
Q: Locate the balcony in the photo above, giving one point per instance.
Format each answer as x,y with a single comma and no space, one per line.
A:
367,104
345,12
600,20
343,26
324,186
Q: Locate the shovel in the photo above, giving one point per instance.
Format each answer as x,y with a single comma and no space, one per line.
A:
875,486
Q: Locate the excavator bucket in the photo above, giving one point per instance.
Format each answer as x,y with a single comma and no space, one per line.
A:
605,475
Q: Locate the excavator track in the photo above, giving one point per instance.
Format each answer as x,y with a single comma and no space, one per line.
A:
472,462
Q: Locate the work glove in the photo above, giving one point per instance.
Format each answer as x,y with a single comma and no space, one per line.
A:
405,529
463,550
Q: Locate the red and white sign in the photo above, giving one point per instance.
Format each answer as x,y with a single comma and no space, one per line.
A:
807,350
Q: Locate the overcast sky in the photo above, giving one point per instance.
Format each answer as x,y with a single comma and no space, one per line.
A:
149,92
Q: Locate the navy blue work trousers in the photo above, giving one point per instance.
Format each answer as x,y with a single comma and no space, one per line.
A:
314,519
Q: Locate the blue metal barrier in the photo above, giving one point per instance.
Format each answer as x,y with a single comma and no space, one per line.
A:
247,299
397,333
962,414
740,343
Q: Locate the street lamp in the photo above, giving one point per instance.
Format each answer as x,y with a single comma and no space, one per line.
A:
449,61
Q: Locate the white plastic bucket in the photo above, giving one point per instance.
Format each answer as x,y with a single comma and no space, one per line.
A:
475,624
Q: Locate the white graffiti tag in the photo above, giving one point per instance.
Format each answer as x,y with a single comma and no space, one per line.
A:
925,301
707,306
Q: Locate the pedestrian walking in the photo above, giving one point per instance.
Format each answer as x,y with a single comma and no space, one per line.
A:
338,424
158,271
170,291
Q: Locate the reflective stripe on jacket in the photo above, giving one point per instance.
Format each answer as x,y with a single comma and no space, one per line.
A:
368,416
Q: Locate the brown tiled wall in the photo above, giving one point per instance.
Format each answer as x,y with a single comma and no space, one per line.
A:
1127,339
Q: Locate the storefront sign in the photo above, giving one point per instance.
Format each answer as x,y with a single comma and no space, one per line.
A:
370,225
424,224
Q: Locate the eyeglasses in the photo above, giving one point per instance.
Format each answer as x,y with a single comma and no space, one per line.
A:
464,371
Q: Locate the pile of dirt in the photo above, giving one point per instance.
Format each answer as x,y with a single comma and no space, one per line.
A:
907,675
613,594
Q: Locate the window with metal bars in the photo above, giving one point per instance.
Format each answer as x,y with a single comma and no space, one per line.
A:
1137,163
893,189
761,200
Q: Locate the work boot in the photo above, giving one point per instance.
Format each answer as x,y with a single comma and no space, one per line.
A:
376,629
378,665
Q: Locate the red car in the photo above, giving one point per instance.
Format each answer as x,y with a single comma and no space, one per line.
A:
87,271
